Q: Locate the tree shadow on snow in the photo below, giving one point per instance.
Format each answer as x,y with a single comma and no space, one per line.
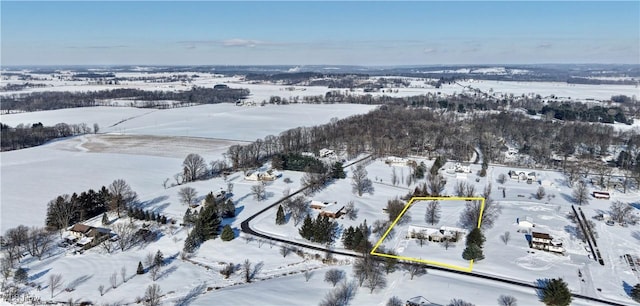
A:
571,229
166,272
151,202
636,234
38,275
191,296
636,205
567,197
627,288
78,281
170,259
541,283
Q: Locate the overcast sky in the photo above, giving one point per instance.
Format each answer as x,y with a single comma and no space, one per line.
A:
299,33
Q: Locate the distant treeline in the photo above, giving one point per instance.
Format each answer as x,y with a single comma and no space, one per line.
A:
58,100
25,136
580,112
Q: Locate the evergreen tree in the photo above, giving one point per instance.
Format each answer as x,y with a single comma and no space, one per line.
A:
229,209
337,171
191,243
20,276
147,216
158,260
105,219
472,252
208,223
475,237
188,217
164,219
635,291
556,293
140,269
280,218
227,233
347,238
306,230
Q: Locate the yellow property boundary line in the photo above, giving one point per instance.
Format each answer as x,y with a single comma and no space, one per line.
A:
430,262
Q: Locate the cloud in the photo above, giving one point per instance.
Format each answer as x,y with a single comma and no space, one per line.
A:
230,43
98,47
238,42
430,50
544,46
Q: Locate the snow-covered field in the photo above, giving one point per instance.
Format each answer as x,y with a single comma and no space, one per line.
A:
263,91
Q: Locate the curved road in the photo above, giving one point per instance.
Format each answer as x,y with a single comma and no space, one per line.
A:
246,228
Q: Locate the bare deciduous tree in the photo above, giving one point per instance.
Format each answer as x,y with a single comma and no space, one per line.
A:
435,184
341,295
471,214
622,212
502,178
505,237
250,273
376,279
259,192
360,182
540,193
334,276
55,282
298,208
415,269
121,195
432,214
351,211
62,211
125,232
187,195
101,290
307,275
152,295
285,250
123,274
507,300
113,279
39,242
581,194
194,167
228,269
394,301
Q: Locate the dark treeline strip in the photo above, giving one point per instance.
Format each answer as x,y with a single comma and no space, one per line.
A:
57,100
25,136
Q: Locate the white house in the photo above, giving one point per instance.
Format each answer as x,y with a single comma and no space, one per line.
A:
528,223
458,168
436,234
396,160
327,153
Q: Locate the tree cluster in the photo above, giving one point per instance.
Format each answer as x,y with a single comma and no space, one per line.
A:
50,100
206,226
357,238
25,136
66,210
474,242
145,215
321,230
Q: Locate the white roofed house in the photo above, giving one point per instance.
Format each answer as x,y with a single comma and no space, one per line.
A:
326,153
